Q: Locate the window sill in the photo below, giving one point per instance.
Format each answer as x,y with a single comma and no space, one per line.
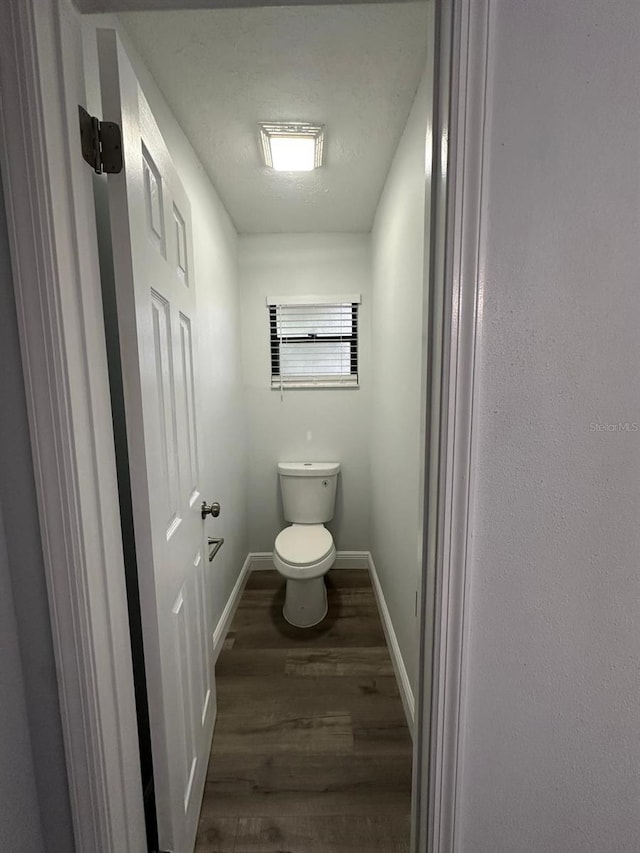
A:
320,384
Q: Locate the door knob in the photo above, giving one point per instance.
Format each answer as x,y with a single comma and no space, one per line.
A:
213,510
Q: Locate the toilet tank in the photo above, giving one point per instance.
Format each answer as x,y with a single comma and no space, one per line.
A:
308,490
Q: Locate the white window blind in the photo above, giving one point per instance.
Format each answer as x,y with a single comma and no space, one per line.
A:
314,343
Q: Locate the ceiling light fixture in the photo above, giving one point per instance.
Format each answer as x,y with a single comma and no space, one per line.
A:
292,146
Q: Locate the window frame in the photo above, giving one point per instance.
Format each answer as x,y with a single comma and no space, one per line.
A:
352,380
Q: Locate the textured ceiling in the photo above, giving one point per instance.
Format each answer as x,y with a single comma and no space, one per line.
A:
354,68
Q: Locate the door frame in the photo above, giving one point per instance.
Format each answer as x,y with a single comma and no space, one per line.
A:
52,235
49,202
459,168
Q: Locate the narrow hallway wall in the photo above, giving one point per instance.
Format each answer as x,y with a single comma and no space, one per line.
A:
397,411
551,753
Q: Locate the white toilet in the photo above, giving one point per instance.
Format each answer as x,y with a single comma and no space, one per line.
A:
304,552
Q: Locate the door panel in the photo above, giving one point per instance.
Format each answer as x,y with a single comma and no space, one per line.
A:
153,199
189,408
185,732
167,458
153,261
202,669
182,263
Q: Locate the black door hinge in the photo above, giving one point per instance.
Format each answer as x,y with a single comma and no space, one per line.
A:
101,143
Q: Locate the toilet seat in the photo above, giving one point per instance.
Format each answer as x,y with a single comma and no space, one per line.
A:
304,551
303,544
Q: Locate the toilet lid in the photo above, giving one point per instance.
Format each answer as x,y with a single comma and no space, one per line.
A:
304,544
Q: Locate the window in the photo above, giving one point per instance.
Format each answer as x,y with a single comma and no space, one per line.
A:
314,342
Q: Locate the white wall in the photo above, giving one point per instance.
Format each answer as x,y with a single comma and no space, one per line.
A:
551,757
281,264
221,416
397,412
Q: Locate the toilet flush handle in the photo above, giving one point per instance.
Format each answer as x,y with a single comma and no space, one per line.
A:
213,510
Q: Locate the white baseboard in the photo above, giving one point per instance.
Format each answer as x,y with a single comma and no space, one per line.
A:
351,560
261,561
224,623
406,693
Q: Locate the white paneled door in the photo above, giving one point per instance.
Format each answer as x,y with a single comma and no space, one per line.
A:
152,249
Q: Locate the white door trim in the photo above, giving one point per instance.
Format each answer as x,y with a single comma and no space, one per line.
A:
462,31
49,205
52,234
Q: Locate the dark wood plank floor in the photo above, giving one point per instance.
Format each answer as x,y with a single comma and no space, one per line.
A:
311,751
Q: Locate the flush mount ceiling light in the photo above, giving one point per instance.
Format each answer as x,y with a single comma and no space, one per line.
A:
292,146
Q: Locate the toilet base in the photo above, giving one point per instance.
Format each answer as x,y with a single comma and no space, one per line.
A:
305,603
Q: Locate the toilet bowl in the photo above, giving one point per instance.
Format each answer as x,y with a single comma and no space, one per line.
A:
303,554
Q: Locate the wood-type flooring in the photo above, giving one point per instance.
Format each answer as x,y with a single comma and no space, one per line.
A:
311,751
